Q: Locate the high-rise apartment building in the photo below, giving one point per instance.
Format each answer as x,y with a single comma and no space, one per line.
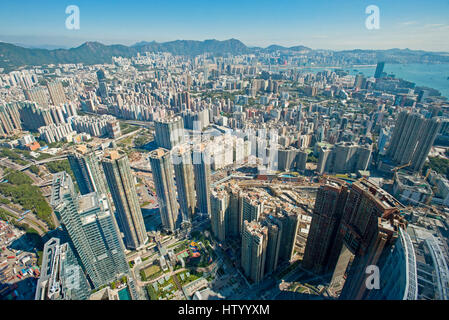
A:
201,167
289,222
33,116
251,209
254,248
92,229
359,81
101,75
162,168
9,120
235,212
123,190
274,228
37,94
282,230
352,227
368,229
326,217
169,132
219,213
57,94
344,157
412,138
87,171
185,182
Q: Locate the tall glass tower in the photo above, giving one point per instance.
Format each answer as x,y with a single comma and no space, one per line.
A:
92,230
61,276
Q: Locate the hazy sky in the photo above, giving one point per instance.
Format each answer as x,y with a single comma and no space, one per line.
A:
332,24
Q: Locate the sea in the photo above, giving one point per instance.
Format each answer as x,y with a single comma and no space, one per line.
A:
435,76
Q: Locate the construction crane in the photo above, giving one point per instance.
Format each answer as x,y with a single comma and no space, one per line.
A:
427,174
401,167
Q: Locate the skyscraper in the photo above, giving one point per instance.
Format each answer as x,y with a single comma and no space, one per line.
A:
33,116
169,132
86,169
57,94
101,75
162,168
325,221
185,182
352,226
274,234
360,81
61,277
219,213
379,70
254,248
251,209
92,229
37,94
123,191
368,228
412,138
9,120
235,212
201,167
289,223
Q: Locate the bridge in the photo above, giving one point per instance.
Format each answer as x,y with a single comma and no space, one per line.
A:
25,167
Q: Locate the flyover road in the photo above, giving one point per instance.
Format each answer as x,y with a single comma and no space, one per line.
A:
40,226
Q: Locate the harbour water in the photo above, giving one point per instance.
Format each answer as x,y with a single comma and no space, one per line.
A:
435,76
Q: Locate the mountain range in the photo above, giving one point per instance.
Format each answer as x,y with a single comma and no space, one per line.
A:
14,56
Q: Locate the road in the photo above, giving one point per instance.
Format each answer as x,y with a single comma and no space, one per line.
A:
17,167
39,225
127,135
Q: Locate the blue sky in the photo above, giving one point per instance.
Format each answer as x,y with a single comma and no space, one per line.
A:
337,24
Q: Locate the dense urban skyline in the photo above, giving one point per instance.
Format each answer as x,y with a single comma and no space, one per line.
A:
215,170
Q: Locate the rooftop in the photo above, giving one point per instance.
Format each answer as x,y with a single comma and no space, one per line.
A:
88,202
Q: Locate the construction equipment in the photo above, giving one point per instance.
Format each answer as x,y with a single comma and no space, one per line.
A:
427,174
401,167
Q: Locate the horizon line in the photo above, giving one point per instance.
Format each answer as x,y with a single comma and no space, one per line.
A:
61,47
